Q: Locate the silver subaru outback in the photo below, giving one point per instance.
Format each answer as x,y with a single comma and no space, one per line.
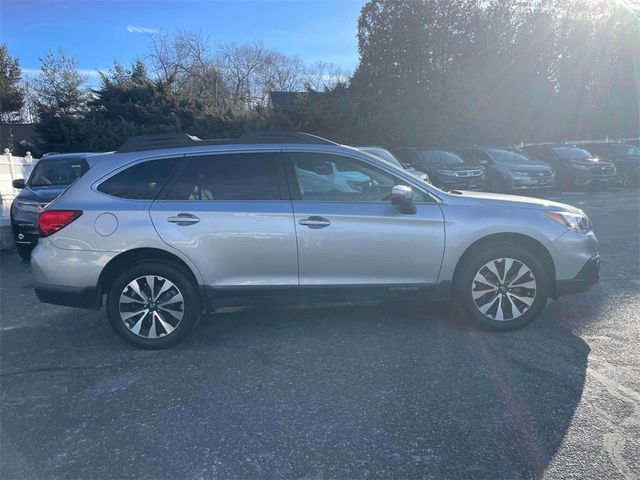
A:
169,226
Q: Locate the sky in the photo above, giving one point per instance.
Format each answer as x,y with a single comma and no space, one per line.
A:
97,32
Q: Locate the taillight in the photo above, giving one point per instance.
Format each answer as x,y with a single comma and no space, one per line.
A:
53,220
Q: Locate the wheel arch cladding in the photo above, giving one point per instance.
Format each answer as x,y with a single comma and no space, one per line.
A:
129,258
518,240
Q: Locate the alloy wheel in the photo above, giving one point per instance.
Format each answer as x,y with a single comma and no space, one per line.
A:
151,306
504,289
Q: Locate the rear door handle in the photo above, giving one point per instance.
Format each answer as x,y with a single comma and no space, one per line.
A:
315,222
183,219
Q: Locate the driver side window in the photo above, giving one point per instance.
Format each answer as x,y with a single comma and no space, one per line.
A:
334,178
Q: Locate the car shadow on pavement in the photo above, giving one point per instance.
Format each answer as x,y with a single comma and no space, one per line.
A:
346,392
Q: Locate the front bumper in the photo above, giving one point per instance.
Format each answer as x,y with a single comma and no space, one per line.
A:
477,185
586,278
586,179
533,183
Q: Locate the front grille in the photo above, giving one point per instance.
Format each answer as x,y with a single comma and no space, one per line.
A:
540,174
602,170
469,173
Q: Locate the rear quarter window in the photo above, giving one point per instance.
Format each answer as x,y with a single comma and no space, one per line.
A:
233,176
142,181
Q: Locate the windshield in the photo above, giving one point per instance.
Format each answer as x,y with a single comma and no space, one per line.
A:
571,153
507,156
383,154
58,172
441,158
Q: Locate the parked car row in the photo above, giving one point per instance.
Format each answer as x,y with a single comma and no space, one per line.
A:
536,167
566,166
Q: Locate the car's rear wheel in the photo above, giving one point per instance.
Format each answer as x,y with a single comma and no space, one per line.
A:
502,287
153,305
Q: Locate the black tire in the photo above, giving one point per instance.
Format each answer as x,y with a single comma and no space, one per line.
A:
624,179
474,262
190,306
24,251
500,185
629,181
567,184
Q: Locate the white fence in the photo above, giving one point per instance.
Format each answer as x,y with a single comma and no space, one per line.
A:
12,168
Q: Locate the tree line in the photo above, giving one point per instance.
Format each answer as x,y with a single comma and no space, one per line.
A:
431,72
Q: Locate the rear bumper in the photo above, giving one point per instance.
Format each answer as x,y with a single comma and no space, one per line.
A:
68,277
25,233
586,278
69,296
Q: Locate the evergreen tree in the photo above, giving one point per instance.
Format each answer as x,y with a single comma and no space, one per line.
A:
11,95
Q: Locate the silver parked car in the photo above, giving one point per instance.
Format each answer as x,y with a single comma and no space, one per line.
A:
391,159
170,225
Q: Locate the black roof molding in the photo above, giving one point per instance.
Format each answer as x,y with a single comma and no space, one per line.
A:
176,140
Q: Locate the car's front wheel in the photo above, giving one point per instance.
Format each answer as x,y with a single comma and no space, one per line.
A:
153,305
502,287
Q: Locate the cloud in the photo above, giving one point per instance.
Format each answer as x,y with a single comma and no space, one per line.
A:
139,29
89,72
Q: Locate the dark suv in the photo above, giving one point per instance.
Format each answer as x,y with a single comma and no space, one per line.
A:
575,167
445,169
49,178
624,156
508,170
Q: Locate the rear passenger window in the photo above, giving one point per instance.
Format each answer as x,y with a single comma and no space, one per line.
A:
142,181
237,176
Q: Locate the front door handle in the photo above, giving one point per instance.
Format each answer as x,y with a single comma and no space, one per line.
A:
183,219
315,222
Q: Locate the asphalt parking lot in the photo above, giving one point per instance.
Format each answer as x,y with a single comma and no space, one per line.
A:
349,392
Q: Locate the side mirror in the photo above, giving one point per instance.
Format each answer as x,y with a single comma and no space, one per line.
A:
402,196
19,183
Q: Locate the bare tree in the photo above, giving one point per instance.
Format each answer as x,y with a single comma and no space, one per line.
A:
162,56
322,76
283,73
240,76
187,62
244,69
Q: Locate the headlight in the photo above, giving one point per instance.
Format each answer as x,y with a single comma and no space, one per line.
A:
575,221
27,206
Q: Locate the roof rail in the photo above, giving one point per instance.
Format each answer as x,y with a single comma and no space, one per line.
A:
275,136
173,140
